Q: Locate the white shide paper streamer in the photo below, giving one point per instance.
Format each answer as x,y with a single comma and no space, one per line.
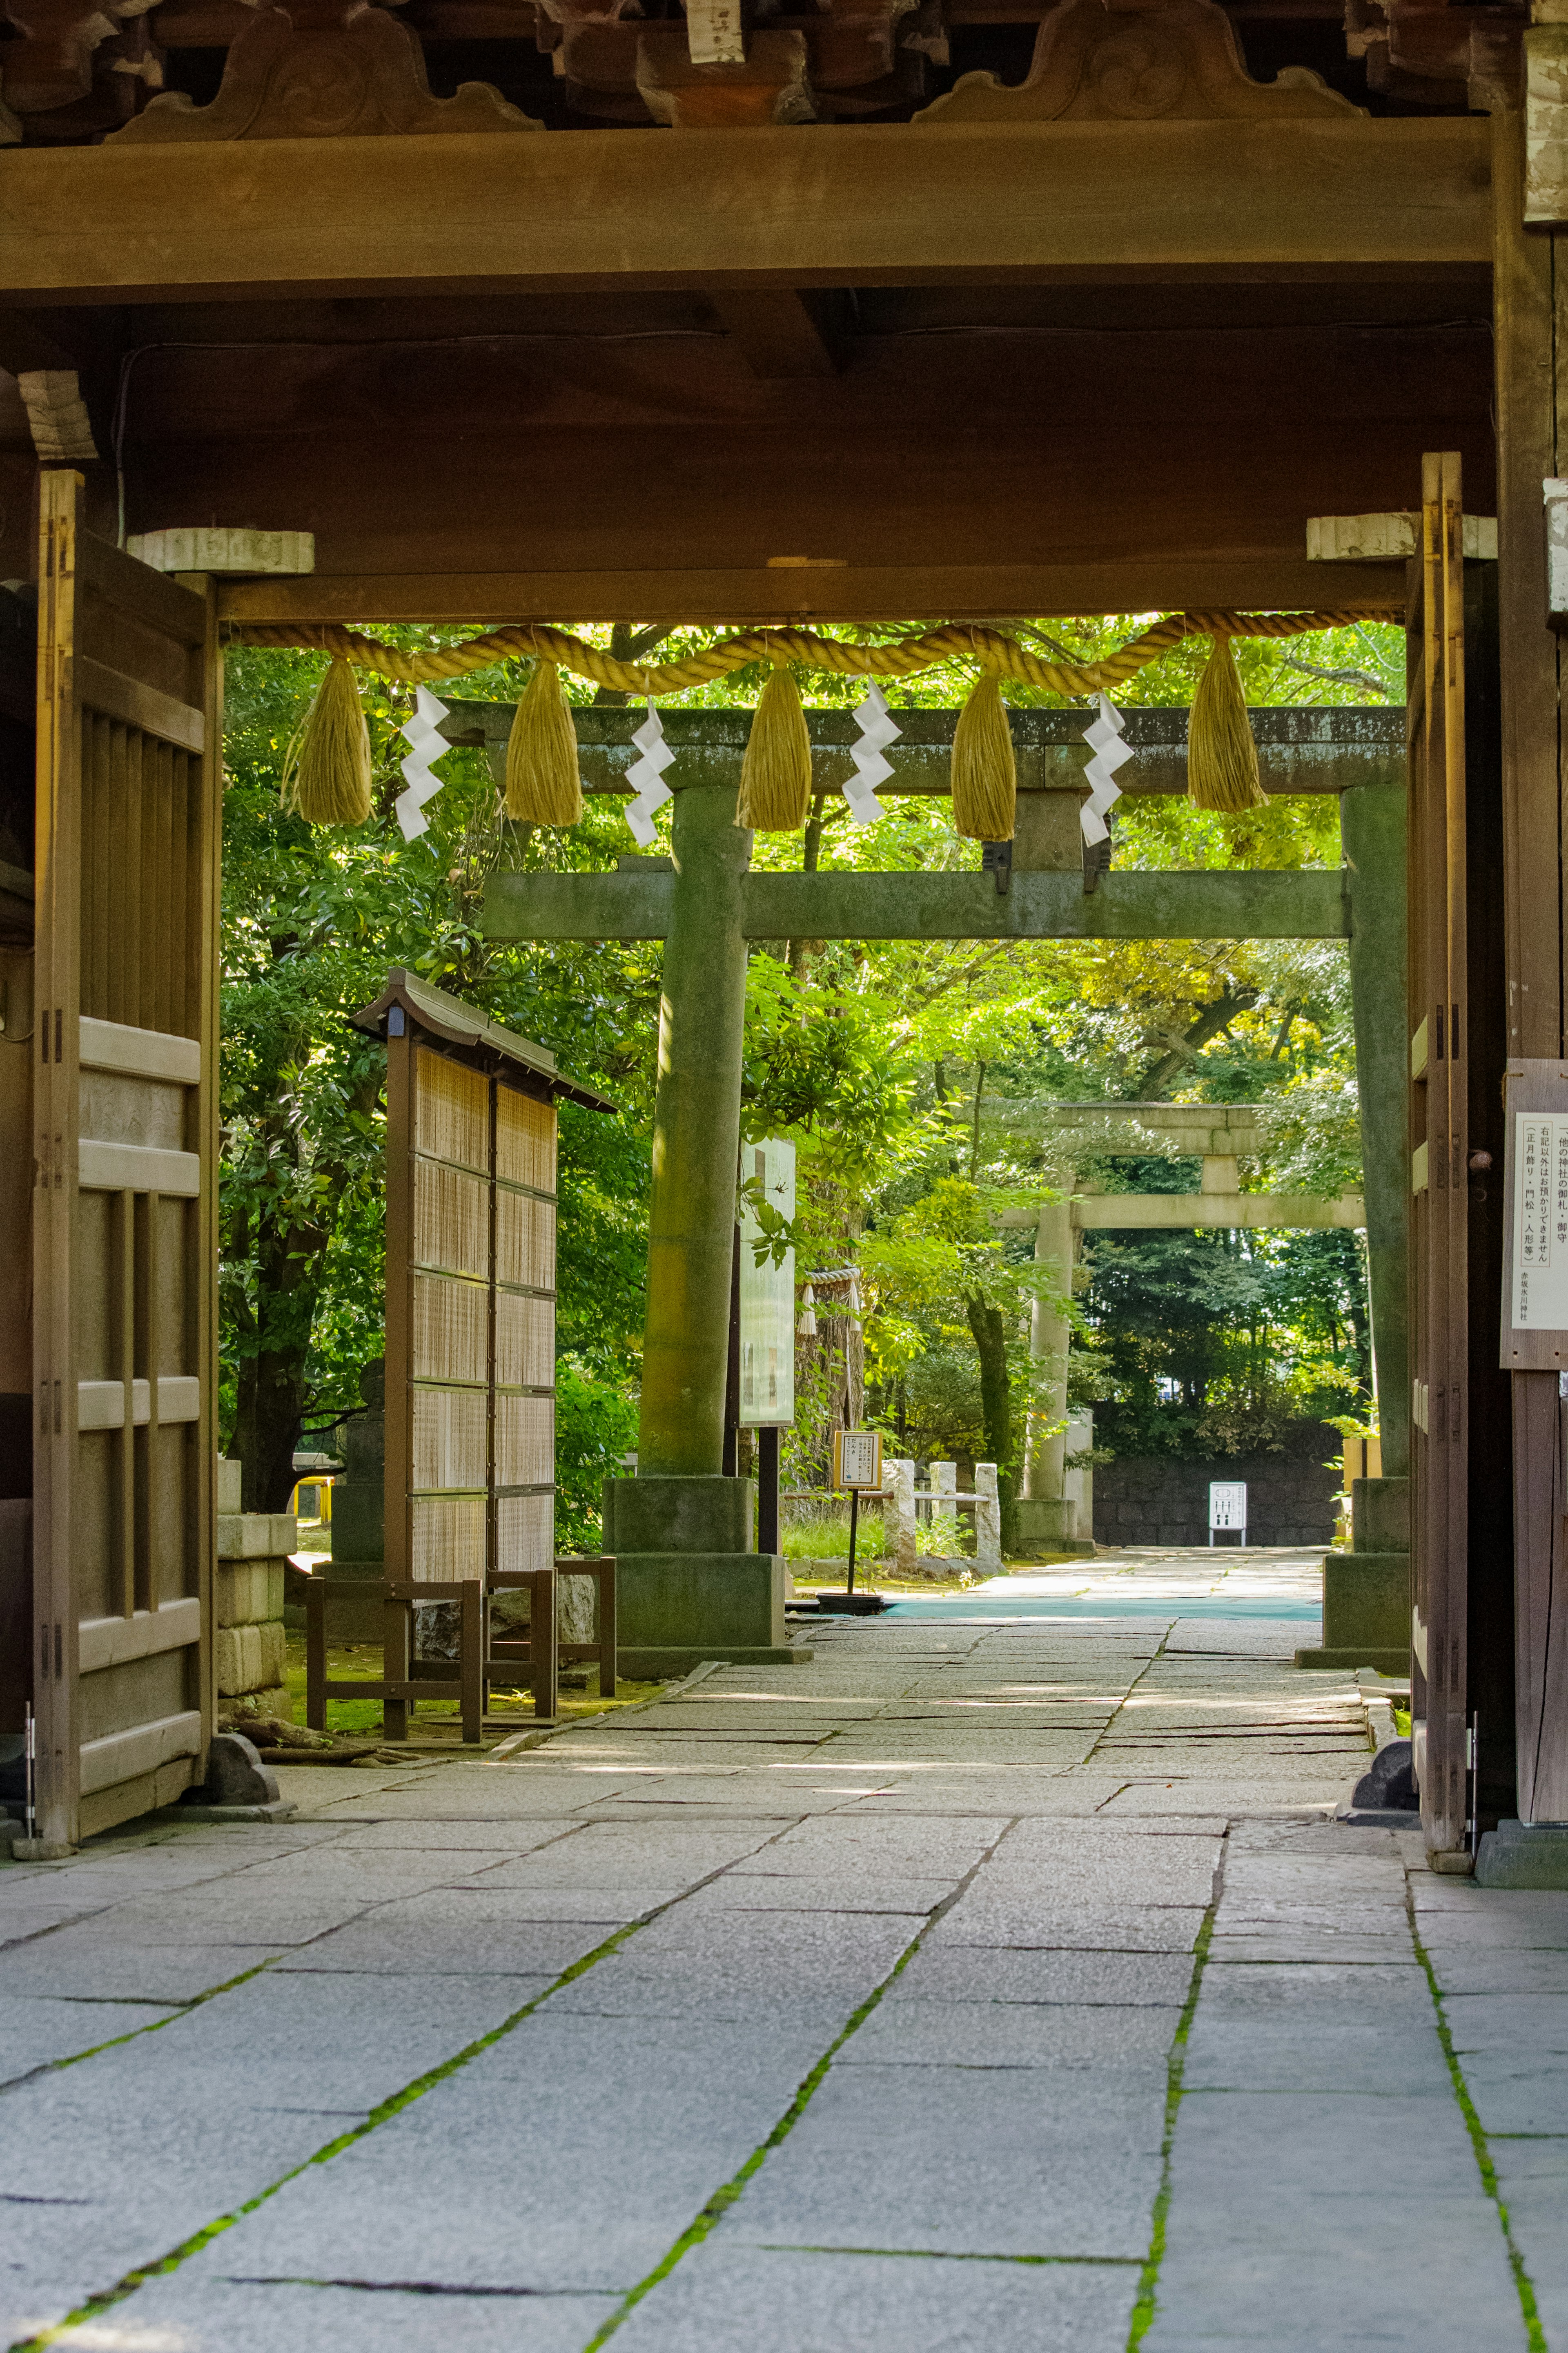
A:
424,732
877,730
647,775
1110,754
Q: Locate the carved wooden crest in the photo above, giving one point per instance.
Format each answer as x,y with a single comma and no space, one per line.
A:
1173,59
324,70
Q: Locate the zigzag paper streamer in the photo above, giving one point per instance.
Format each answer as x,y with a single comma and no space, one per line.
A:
876,732
647,775
1110,754
423,731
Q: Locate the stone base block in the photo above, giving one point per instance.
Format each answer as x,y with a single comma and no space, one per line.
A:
249,1658
1524,1854
1380,1513
676,1610
1366,1610
679,1516
248,1592
1044,1520
1357,1654
257,1535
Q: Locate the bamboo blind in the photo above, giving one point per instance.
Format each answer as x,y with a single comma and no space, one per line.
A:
471,1240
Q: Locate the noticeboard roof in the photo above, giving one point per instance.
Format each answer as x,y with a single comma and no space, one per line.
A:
473,1033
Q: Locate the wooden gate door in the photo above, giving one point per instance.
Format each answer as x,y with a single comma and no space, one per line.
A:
124,1239
1461,1502
1440,1151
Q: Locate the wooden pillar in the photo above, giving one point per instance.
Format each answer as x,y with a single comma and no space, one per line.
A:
1531,395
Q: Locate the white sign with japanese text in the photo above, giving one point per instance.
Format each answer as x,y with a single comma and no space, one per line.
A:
1538,1278
1228,1503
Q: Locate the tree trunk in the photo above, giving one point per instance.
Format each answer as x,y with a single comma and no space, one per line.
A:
272,1384
989,1327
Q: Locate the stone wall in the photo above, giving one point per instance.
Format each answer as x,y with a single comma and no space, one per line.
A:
1158,1500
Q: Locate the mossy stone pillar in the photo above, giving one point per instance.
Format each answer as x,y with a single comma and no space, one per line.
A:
1366,1590
689,1587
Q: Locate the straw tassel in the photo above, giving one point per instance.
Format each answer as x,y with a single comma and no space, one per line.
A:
1222,757
985,773
326,769
542,782
775,775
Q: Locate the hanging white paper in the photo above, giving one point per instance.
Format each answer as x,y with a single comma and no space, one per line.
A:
877,730
646,775
424,732
1110,754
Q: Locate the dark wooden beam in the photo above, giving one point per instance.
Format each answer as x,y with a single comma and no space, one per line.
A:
783,333
841,205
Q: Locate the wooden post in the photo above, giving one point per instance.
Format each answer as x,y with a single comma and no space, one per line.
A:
1373,831
1529,406
605,1586
315,1658
696,1144
396,1665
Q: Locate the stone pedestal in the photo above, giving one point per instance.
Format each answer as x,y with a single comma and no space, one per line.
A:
1366,1590
1524,1854
249,1640
1049,1524
688,1584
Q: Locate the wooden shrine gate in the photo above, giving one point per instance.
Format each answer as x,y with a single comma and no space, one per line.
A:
124,1246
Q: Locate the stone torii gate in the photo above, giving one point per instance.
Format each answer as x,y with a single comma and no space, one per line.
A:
1220,1136
691,1586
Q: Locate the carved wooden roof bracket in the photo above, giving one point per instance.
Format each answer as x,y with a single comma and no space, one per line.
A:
1172,60
324,70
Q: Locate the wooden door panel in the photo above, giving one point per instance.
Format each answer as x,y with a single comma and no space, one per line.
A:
124,1232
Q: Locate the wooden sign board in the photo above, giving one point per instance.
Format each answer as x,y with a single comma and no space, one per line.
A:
858,1458
1535,1219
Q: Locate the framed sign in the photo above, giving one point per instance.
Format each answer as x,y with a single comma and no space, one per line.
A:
1227,1504
857,1458
1535,1217
766,1294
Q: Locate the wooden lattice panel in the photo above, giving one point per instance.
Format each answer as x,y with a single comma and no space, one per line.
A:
453,1117
525,1531
450,1439
525,1140
451,1219
525,1240
524,1441
526,1341
451,1323
470,1316
447,1538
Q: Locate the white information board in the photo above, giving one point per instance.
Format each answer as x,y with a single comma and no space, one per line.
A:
1228,1503
857,1458
1538,1272
767,1293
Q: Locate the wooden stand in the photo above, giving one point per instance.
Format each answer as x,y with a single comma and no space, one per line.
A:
395,1686
538,1673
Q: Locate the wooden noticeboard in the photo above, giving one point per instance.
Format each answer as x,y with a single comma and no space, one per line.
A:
470,1288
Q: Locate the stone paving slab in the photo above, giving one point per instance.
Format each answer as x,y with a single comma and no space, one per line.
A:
981,2080
735,2298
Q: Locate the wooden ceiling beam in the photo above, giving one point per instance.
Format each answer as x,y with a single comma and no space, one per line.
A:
1252,581
808,206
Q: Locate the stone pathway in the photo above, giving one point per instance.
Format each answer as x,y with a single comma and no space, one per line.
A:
980,1985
